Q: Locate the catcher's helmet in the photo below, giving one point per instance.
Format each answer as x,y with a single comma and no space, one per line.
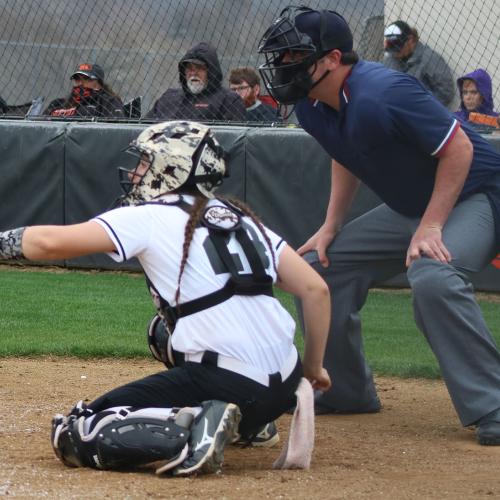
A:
179,153
312,33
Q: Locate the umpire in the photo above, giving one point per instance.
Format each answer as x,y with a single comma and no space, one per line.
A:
440,220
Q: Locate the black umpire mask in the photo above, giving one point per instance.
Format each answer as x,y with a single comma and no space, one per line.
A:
300,31
292,82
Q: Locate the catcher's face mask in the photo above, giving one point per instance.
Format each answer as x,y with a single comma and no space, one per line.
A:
171,155
129,177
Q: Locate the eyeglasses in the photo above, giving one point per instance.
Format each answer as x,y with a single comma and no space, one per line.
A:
239,88
469,92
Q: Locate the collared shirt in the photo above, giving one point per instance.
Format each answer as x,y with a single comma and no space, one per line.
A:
389,132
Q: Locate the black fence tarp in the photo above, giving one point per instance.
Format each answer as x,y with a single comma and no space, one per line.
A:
64,173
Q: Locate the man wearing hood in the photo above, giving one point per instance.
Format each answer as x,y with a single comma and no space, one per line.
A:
403,51
202,97
476,95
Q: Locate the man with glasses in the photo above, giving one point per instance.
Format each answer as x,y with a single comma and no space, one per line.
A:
246,83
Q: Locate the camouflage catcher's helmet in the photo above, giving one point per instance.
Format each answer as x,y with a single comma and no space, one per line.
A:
179,154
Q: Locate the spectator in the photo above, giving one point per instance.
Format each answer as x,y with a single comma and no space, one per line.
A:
90,97
404,52
246,83
202,96
476,96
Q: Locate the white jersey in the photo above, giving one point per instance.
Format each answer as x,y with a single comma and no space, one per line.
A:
254,329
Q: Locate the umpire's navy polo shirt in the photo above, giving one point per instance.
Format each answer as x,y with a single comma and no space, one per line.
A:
390,132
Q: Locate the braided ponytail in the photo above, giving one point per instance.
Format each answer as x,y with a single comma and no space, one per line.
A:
195,215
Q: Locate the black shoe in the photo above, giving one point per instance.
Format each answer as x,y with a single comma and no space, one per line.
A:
488,429
266,437
373,407
214,427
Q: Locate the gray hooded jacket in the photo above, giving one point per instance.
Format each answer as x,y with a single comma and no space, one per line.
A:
429,68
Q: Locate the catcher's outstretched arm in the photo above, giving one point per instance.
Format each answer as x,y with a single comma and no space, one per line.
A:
54,242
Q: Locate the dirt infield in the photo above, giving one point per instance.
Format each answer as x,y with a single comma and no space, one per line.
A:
414,448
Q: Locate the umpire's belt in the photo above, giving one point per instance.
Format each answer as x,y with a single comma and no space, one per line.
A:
245,369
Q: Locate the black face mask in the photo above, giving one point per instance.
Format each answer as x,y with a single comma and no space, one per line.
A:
290,87
395,43
79,92
291,82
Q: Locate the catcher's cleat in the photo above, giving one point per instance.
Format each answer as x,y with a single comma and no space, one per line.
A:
213,428
488,429
265,437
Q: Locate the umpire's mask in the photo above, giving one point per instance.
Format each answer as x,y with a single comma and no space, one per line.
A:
302,31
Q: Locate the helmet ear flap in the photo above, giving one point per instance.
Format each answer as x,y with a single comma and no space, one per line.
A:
209,166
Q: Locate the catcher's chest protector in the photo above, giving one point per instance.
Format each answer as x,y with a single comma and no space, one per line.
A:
222,221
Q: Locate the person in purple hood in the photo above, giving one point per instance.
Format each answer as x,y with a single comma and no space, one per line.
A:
475,95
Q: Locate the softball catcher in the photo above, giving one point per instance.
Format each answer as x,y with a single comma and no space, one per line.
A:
210,266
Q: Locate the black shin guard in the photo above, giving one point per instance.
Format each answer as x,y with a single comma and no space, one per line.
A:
120,439
139,441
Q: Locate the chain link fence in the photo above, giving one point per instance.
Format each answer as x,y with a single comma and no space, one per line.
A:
137,46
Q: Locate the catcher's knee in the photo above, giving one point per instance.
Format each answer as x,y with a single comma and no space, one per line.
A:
120,438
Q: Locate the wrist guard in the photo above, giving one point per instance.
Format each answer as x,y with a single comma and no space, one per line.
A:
11,244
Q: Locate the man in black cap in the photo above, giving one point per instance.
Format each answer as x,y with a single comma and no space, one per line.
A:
439,182
90,97
404,52
202,97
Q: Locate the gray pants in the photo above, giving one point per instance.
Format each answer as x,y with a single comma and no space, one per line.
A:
372,249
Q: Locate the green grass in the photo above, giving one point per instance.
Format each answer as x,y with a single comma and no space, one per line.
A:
77,314
103,314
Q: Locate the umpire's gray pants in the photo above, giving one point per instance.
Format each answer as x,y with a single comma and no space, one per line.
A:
372,249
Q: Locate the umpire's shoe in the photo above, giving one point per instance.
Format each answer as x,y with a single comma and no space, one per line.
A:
488,429
213,428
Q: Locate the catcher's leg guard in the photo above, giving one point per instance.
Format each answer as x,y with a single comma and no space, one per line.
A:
120,438
62,437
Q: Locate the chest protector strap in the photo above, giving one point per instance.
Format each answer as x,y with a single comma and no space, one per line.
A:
255,283
221,221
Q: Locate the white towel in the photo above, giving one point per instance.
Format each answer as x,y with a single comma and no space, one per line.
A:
297,450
